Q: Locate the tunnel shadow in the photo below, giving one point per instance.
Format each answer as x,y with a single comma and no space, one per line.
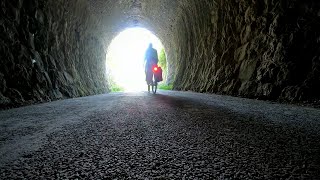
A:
243,136
174,101
184,102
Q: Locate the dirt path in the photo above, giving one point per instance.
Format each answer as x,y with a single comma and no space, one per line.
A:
170,135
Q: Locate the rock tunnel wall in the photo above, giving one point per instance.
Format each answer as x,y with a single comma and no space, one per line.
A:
264,49
48,51
260,49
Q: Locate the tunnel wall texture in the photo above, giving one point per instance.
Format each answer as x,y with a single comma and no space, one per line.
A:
253,48
263,49
48,51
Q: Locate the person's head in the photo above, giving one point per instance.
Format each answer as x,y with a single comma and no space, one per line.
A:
150,45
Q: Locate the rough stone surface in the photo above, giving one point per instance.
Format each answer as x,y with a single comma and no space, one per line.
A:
258,48
48,51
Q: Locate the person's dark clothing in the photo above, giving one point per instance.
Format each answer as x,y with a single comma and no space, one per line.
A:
151,59
151,56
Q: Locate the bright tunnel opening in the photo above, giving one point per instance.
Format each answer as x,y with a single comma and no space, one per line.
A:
125,59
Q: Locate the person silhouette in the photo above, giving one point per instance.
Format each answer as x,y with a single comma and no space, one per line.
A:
151,60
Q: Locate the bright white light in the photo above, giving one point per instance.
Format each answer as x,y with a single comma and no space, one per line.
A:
125,57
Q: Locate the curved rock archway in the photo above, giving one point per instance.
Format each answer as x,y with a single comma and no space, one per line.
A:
260,48
157,16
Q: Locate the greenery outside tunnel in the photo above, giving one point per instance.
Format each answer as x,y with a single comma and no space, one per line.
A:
258,49
125,59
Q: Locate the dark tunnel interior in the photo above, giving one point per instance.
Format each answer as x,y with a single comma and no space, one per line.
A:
243,99
265,49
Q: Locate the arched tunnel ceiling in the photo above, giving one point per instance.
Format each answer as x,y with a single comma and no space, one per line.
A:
249,48
252,48
158,16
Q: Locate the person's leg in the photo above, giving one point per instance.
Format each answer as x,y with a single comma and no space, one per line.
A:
149,76
149,79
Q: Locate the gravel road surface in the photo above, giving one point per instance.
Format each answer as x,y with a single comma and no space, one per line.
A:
170,135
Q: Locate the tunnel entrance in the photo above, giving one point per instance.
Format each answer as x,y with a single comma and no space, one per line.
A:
125,59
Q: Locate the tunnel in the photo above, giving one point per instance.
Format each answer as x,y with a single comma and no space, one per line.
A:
244,103
257,49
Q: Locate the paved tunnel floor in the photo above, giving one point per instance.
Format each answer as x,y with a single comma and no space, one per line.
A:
171,135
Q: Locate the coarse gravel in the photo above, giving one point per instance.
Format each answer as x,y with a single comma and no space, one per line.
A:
170,135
